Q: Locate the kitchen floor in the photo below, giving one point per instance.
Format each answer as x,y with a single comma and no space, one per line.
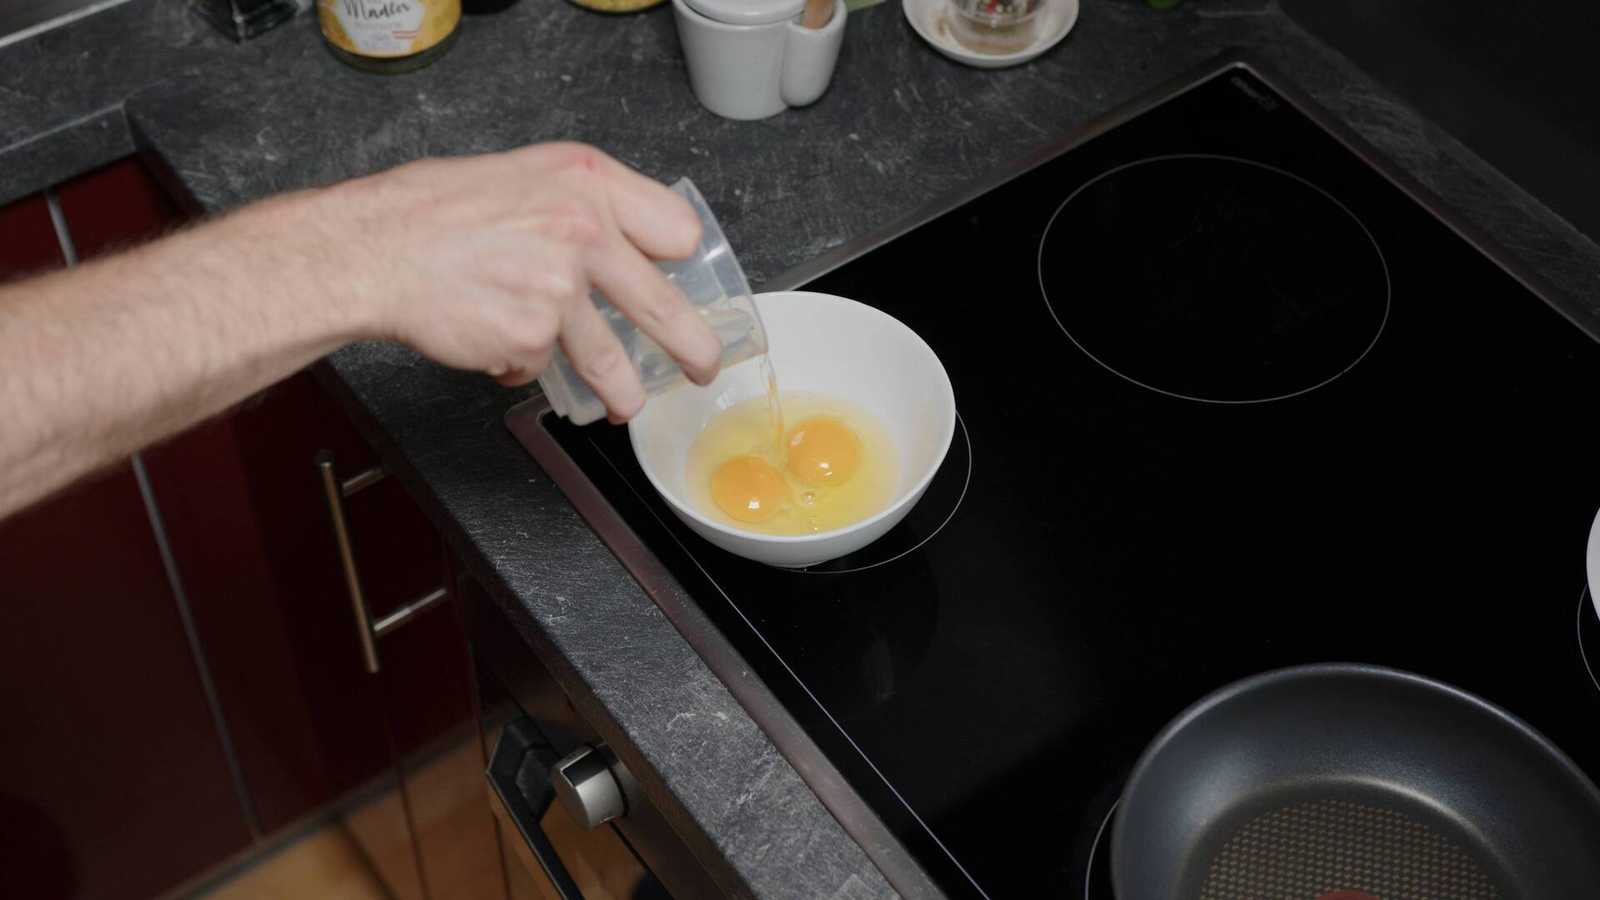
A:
347,858
326,864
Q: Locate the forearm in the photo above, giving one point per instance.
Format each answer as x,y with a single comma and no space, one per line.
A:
98,361
480,263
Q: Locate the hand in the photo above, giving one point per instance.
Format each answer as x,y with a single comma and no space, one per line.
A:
486,262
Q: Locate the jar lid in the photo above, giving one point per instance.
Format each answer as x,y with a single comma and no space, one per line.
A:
747,12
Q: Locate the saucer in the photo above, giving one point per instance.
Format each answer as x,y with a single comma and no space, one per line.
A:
928,18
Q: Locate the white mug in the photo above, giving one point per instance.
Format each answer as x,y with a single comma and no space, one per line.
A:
754,71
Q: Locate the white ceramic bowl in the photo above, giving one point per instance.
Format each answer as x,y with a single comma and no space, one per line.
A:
823,344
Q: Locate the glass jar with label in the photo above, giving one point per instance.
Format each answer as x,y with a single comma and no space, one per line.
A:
389,36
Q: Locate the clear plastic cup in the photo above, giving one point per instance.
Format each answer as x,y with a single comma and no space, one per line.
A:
714,284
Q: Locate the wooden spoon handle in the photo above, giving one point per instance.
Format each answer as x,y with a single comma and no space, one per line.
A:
817,13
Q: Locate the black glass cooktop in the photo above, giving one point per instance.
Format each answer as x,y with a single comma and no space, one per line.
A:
1230,401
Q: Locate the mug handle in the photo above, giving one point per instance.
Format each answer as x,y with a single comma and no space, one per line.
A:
809,55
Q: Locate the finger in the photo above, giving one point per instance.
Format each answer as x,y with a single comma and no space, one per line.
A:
528,332
660,223
656,220
522,370
516,377
599,359
636,287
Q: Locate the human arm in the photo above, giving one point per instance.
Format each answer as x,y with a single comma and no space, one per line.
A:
478,262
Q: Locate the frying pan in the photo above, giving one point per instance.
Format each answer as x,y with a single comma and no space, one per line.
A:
1353,782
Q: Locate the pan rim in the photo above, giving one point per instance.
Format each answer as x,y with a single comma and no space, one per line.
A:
1312,671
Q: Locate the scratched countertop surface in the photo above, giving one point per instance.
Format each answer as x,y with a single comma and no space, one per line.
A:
900,127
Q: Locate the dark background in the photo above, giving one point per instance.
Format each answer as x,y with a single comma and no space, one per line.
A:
1516,82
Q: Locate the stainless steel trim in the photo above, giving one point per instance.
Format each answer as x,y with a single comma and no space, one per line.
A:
409,611
334,495
367,631
362,480
45,15
854,815
191,633
58,221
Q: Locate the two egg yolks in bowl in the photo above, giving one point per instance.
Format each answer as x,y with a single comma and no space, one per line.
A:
833,467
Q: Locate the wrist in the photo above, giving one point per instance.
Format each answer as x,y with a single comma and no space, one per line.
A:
349,276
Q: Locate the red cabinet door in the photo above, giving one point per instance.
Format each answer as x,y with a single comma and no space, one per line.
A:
115,206
113,780
27,239
249,527
246,518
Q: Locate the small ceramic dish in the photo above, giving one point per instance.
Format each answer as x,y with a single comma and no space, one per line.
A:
928,18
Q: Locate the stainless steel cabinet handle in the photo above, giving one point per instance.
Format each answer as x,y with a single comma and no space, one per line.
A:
367,631
587,788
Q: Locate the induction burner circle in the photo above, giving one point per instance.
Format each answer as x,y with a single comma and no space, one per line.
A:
929,517
1214,278
1097,878
1589,637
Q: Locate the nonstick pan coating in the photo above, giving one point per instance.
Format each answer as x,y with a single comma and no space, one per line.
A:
1354,781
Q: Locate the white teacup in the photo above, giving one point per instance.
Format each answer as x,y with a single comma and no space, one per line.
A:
751,60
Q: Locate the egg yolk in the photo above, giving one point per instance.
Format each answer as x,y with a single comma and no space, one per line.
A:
823,452
748,489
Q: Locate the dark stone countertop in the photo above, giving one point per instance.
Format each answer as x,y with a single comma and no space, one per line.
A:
900,126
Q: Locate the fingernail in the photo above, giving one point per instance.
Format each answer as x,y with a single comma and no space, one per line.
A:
713,355
632,409
705,376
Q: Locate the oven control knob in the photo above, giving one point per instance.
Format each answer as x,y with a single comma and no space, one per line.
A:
587,786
